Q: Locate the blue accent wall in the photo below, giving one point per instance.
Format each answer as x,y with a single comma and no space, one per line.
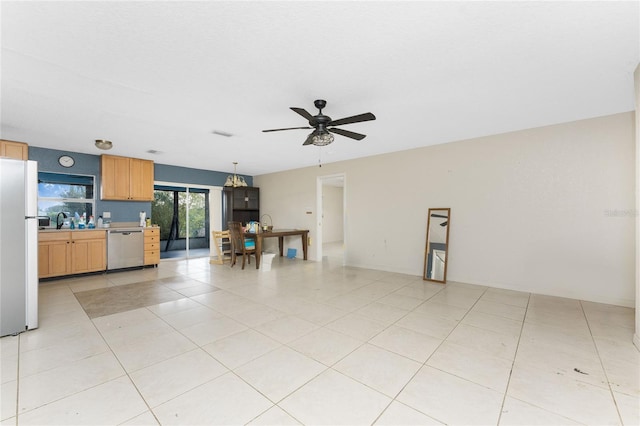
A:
124,211
166,173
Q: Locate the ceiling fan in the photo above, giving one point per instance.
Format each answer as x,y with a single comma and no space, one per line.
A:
323,125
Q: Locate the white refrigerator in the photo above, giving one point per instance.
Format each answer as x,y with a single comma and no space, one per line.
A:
18,246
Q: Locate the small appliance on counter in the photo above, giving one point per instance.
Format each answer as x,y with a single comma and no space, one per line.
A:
44,222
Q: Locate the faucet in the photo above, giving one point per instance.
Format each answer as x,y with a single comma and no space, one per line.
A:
58,223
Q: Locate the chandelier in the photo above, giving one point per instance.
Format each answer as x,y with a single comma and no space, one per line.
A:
235,180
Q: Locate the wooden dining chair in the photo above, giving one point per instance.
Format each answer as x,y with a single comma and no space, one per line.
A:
241,244
222,242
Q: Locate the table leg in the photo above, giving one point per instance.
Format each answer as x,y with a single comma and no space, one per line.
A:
281,245
304,245
258,251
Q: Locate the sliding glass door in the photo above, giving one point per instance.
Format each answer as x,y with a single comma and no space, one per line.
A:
197,232
183,216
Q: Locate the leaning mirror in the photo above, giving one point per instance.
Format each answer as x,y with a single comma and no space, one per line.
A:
437,248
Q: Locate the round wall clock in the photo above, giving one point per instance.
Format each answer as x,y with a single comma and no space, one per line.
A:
66,161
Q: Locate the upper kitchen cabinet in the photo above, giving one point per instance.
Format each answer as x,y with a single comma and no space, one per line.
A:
141,179
126,179
11,149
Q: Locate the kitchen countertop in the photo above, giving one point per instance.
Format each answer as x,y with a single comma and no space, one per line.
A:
119,227
112,225
48,230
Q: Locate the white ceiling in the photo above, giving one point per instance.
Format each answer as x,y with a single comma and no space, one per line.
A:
164,75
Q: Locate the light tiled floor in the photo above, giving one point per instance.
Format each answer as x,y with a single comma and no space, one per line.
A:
318,344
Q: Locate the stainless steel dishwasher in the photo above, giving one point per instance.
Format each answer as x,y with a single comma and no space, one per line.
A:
125,248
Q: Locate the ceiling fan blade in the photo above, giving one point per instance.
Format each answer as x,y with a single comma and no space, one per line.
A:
367,116
347,133
303,112
309,140
287,128
439,215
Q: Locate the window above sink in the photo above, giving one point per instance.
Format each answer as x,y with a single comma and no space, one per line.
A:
69,193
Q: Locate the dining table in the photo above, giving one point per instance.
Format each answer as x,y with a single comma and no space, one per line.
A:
280,234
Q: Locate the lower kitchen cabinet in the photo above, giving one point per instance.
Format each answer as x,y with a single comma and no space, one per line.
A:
88,251
152,245
71,252
54,254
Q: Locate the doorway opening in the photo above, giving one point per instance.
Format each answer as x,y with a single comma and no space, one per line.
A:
331,219
184,216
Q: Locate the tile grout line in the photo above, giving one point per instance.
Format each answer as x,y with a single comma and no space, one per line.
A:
199,347
424,364
126,373
331,366
83,390
604,370
513,362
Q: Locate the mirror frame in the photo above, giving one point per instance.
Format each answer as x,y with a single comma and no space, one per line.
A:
446,248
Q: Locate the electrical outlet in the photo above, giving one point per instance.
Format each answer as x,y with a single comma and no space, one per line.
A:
106,215
309,241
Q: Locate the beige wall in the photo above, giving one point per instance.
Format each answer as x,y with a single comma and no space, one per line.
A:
538,210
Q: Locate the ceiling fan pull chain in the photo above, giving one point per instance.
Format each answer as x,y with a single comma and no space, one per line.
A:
319,156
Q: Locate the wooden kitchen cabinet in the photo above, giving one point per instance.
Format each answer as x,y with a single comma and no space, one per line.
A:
141,179
88,251
71,252
151,246
114,177
12,149
54,254
126,179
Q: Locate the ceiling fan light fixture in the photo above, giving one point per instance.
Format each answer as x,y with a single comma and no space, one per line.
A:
322,138
103,144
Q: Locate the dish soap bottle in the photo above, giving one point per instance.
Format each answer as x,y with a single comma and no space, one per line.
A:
72,224
91,224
